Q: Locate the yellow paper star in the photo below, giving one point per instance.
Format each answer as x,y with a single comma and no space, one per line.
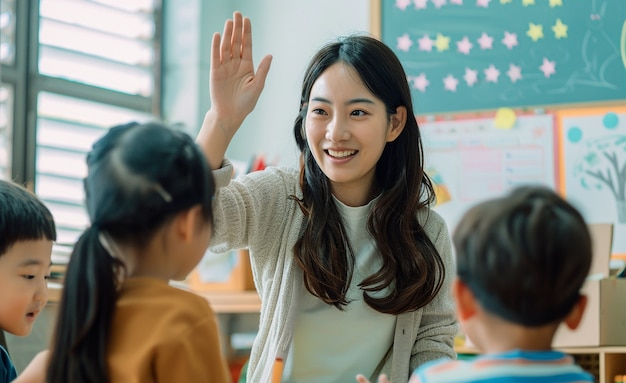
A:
505,1
535,31
556,3
528,2
442,42
560,29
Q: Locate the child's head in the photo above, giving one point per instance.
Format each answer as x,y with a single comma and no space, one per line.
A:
524,256
149,198
356,115
27,231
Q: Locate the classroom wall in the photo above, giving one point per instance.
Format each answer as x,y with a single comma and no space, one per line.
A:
291,31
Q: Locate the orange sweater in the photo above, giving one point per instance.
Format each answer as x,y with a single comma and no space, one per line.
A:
163,334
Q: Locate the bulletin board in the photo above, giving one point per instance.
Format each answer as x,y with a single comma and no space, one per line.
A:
593,166
470,160
469,55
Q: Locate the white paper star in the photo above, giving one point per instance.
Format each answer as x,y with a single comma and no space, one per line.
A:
457,2
420,82
482,3
548,67
514,73
404,42
471,76
450,83
492,74
403,4
464,45
510,39
439,3
425,43
419,4
485,41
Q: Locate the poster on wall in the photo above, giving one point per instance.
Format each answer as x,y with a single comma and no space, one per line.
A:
472,160
594,166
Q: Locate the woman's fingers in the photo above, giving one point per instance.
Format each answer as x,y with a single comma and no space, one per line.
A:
226,48
237,35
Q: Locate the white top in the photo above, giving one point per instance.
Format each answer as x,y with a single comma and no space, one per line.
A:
324,340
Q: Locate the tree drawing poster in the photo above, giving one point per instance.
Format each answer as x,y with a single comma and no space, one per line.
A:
470,160
467,55
593,160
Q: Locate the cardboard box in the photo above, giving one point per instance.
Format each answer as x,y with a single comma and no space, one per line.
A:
604,320
223,272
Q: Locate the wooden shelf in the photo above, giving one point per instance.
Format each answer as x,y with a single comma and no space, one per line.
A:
236,302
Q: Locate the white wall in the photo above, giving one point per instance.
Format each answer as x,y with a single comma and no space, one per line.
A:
290,30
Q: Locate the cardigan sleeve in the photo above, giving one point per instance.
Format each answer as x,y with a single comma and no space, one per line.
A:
438,325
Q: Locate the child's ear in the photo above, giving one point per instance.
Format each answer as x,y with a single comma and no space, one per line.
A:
576,315
465,300
186,223
398,121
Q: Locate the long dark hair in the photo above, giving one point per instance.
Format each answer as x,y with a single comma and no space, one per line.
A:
139,177
411,266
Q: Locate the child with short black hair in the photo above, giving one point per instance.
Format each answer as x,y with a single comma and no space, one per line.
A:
521,263
27,232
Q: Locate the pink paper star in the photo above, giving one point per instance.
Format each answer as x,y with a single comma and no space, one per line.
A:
439,3
464,45
402,4
450,83
457,2
420,4
425,43
420,82
471,76
485,41
492,74
482,3
510,39
514,73
404,42
548,67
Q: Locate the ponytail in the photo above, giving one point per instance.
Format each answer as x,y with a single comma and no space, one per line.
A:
85,314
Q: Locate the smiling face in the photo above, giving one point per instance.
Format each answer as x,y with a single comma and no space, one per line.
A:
347,128
24,272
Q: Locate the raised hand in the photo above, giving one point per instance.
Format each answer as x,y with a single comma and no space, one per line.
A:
235,87
381,379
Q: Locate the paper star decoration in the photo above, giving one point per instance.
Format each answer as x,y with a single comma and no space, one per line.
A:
420,82
528,2
535,31
485,41
556,3
482,3
492,74
442,42
471,76
425,43
457,2
420,4
450,83
464,45
402,4
439,3
404,43
514,73
548,67
560,29
510,39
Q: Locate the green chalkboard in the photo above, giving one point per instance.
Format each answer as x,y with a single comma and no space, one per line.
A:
464,55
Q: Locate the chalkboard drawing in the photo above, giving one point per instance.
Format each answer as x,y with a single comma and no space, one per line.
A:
603,163
598,50
442,194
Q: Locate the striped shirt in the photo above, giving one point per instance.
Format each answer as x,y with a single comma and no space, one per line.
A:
512,367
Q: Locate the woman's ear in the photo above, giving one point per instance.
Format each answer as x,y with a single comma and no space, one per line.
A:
397,122
465,300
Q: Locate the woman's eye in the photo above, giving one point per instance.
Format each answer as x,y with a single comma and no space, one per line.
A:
28,276
358,113
319,111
